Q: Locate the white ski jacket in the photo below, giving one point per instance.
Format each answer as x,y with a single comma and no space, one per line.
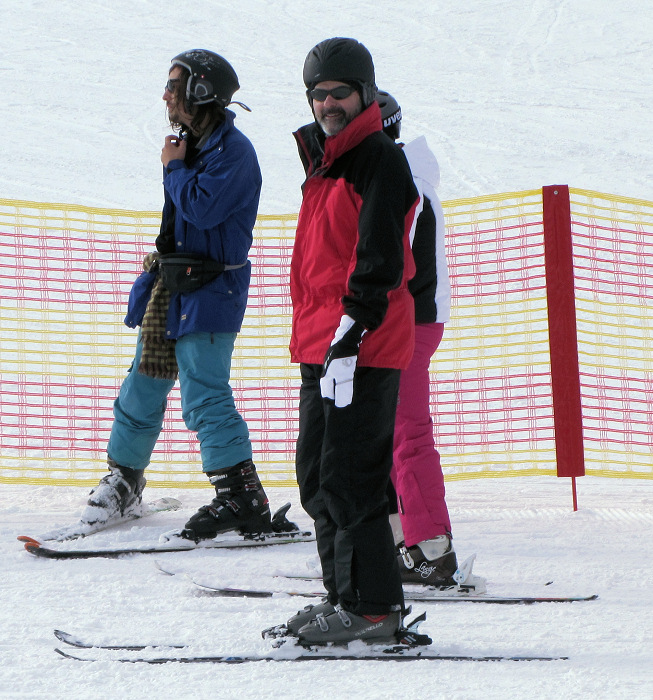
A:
432,287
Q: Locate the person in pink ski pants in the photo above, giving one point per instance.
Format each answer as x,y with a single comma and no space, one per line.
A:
422,527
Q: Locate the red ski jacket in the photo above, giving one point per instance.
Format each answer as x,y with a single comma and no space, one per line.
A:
352,251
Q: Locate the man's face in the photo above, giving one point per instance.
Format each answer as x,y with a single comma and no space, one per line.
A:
332,114
176,111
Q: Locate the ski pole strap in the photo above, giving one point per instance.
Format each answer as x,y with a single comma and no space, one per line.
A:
188,272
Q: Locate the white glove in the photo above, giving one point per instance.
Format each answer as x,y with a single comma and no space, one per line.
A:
337,382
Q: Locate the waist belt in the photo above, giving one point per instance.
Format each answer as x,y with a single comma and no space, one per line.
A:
186,273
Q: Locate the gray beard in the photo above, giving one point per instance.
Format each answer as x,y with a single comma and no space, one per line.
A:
333,128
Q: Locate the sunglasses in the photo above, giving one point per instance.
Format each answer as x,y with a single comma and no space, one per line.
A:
341,92
170,85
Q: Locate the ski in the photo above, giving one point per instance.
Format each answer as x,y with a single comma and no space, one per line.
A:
427,595
231,592
463,582
227,542
408,645
458,593
283,532
79,643
396,653
436,596
466,587
79,530
407,636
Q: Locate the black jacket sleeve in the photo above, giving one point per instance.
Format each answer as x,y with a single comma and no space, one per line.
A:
382,178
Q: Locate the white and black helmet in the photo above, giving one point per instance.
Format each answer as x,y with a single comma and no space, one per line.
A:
390,114
212,79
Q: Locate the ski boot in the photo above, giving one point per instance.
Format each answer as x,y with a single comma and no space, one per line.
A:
298,620
432,563
309,613
240,505
341,627
118,493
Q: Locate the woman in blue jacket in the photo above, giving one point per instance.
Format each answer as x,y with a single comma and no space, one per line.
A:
190,302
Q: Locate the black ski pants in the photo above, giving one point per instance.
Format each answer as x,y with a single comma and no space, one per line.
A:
343,461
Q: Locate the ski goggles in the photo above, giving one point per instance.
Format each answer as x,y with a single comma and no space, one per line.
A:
172,84
341,92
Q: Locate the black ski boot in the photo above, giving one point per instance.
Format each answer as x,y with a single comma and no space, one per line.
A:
240,504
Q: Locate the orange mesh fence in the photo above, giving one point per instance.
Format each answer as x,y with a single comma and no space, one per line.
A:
66,274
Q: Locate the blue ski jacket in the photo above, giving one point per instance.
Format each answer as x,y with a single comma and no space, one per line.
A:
211,206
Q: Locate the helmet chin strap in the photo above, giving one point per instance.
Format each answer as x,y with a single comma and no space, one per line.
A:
240,104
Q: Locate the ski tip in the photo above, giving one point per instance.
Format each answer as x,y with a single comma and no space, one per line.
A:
26,538
63,637
162,568
66,655
33,546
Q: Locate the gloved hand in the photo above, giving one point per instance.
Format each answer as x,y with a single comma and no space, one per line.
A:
151,261
337,382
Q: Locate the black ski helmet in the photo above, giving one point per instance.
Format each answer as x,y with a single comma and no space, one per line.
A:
212,79
390,114
341,59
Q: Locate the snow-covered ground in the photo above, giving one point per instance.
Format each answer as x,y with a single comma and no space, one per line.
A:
511,95
524,532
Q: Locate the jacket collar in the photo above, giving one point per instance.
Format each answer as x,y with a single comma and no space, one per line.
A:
218,133
366,123
319,151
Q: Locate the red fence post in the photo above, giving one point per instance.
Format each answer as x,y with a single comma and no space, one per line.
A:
563,341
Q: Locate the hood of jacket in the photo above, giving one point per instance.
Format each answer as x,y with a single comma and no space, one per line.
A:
423,165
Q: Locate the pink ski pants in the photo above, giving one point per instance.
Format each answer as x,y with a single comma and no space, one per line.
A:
416,471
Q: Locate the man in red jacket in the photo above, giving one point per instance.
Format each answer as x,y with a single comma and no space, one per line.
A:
353,327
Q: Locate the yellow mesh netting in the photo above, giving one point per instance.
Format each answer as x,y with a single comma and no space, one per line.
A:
66,275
